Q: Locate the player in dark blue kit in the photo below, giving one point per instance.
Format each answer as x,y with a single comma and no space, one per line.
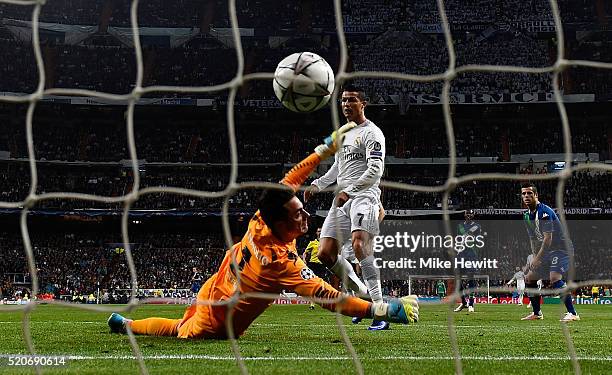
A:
196,280
548,243
469,227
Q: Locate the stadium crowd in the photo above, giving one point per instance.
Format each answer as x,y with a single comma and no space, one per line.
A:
584,189
109,66
82,263
381,37
408,52
163,137
99,68
260,14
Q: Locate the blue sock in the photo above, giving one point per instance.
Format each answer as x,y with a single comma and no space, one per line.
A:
472,284
567,299
535,304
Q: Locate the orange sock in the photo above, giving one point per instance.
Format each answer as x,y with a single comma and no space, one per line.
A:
354,306
155,326
300,172
351,306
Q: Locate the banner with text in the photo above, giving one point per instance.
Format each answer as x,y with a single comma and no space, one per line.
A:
489,98
532,26
494,211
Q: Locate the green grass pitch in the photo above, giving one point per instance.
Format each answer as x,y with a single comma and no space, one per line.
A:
294,339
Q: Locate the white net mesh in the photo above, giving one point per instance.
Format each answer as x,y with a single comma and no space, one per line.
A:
232,86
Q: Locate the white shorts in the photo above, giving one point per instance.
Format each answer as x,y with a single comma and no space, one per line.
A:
359,213
347,251
520,285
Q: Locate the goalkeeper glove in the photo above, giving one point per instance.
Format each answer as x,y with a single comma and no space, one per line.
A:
331,143
404,310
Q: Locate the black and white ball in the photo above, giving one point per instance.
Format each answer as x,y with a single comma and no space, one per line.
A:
303,82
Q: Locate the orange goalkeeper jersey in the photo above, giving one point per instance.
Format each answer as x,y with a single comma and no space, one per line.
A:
265,265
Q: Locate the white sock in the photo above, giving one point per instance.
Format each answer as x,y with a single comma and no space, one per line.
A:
379,310
343,267
371,276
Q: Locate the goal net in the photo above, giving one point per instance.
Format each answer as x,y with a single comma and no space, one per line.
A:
444,286
446,78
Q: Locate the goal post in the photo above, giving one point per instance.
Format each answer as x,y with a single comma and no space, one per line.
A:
414,289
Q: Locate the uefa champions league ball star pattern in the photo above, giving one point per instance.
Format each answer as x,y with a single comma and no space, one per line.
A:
303,82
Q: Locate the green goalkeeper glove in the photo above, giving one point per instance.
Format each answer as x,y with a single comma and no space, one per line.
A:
331,143
404,310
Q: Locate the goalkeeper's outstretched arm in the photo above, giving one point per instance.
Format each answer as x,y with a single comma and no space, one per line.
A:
300,172
299,278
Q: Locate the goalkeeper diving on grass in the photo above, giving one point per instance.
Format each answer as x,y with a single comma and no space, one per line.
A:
267,262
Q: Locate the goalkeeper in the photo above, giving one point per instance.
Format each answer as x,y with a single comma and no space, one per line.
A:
267,263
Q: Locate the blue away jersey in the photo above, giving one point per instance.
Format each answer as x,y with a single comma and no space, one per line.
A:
472,229
545,220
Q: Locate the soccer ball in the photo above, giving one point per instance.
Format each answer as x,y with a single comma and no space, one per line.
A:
303,82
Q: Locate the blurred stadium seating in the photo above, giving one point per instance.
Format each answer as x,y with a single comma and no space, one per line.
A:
83,148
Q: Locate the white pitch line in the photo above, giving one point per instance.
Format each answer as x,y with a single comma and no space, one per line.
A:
56,321
300,358
414,326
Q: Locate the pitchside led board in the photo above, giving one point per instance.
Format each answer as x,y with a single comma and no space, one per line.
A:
425,247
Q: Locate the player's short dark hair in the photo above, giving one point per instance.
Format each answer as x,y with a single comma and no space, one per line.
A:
354,88
271,204
528,185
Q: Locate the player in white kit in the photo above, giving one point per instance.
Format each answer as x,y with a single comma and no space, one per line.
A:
357,169
519,276
347,251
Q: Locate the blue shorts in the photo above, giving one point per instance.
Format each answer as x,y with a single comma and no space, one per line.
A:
554,261
195,287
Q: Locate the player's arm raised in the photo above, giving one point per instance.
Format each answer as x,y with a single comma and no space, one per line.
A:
322,182
375,155
511,280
